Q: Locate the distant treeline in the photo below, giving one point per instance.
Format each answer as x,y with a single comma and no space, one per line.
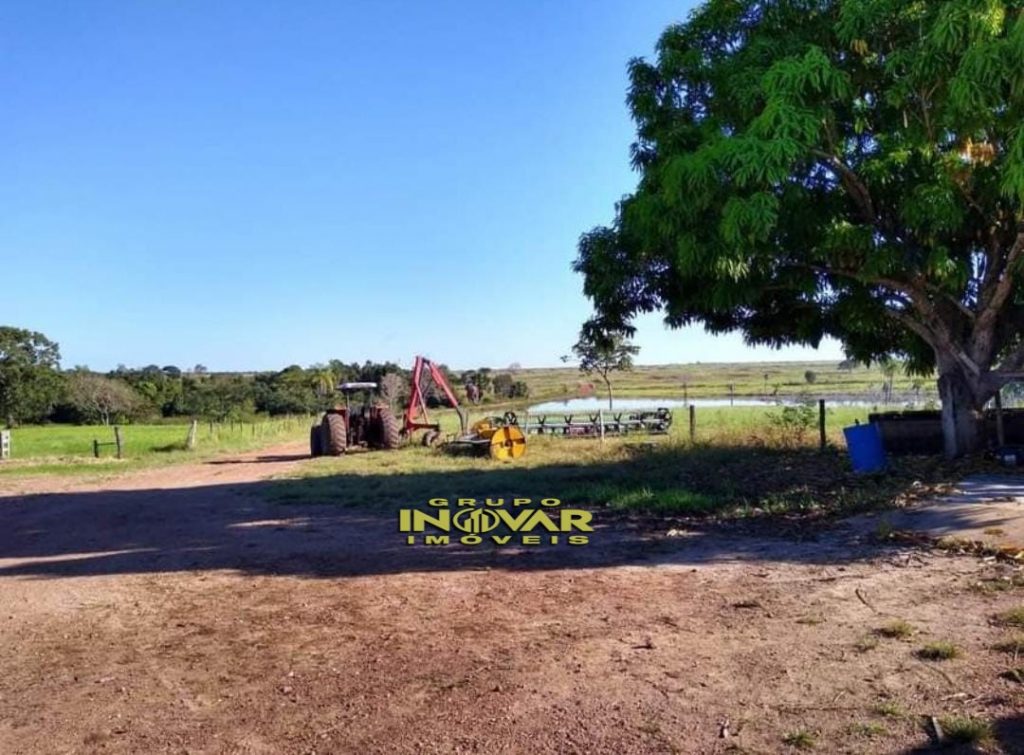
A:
33,387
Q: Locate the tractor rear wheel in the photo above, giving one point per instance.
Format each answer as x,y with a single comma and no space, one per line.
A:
335,434
316,446
389,434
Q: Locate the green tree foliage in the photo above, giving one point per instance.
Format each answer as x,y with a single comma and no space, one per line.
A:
33,389
852,168
221,398
30,384
501,384
519,389
603,352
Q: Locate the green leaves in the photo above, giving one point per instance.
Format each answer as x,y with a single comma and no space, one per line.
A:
1013,173
747,220
30,383
812,167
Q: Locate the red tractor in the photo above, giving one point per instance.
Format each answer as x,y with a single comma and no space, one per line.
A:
372,425
367,424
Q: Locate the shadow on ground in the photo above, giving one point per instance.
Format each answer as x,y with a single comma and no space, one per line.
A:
269,527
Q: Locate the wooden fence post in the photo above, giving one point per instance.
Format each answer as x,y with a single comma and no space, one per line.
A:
600,421
190,439
96,447
693,423
823,441
1000,431
117,440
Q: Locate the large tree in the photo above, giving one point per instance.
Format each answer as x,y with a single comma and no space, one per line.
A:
100,399
852,168
30,383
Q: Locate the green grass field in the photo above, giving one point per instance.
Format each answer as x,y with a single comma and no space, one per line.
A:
756,379
743,461
63,449
739,465
69,448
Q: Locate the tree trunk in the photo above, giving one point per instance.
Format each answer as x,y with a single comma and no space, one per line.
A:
963,425
609,385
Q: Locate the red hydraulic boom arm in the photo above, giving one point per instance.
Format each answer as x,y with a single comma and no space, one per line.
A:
416,416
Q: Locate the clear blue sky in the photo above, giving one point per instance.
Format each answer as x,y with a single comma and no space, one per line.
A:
252,184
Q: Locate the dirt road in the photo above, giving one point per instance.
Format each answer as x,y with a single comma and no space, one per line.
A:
177,610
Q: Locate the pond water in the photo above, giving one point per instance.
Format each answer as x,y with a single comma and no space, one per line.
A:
593,403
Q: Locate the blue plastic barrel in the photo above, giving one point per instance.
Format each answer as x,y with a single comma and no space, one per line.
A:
864,442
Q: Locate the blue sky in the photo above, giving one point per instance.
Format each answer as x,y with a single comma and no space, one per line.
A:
252,184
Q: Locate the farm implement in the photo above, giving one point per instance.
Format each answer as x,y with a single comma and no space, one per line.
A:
369,423
497,437
601,423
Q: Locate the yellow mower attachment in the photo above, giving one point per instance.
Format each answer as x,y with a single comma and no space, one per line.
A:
501,442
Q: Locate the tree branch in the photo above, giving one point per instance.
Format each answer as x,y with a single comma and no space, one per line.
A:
999,283
995,277
853,183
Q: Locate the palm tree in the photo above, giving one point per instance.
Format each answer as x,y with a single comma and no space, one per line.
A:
322,380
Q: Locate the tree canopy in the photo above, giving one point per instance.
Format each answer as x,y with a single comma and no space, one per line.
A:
851,168
29,381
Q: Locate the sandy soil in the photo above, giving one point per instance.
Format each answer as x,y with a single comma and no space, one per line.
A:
177,610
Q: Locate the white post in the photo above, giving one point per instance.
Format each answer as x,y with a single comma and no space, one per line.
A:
5,444
600,422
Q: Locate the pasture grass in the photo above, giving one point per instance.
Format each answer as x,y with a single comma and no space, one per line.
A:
729,475
889,709
717,380
68,449
939,651
800,739
896,630
1013,617
965,729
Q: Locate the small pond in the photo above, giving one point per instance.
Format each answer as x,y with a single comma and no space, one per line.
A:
594,403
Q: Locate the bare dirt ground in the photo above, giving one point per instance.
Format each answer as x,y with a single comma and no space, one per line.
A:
177,610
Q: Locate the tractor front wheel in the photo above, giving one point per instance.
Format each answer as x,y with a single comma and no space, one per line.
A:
389,433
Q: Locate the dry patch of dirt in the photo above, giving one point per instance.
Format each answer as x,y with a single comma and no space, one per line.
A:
185,614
